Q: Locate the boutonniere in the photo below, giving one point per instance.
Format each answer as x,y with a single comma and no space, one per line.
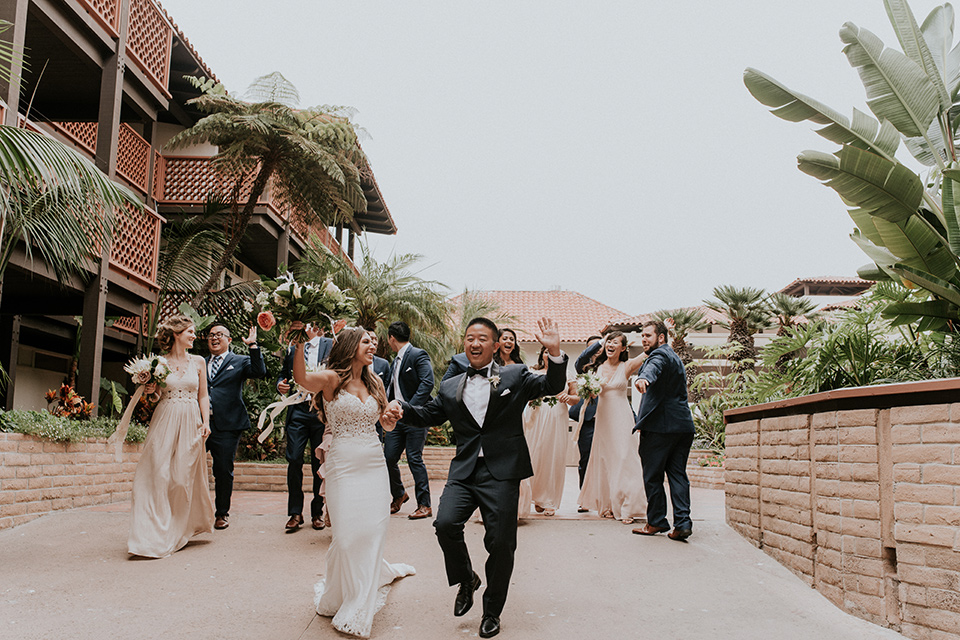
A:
494,381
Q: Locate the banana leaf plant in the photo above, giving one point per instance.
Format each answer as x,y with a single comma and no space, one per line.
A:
908,225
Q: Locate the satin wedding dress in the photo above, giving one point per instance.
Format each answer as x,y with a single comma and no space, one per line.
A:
171,499
613,482
357,577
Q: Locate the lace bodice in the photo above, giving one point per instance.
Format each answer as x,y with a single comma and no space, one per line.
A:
348,416
182,387
617,384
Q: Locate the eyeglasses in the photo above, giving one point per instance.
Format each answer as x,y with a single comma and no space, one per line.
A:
217,335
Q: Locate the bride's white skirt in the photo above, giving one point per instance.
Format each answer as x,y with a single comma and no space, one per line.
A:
357,578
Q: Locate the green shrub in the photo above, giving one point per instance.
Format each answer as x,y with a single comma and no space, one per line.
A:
46,425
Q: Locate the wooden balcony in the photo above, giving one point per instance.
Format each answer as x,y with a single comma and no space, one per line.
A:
188,180
136,235
149,35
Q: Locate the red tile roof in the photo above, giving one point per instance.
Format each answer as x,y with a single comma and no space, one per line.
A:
579,317
826,286
633,323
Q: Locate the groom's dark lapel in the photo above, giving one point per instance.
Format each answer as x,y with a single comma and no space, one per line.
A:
494,391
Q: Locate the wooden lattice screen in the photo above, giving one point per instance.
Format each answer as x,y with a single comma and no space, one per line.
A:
136,242
133,157
106,12
149,41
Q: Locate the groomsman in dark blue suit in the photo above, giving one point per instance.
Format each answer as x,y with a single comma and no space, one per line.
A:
411,380
226,373
303,426
666,434
458,364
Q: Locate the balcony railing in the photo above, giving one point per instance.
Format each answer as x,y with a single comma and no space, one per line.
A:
136,235
191,179
149,35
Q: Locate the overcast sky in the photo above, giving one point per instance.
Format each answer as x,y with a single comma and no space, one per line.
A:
609,148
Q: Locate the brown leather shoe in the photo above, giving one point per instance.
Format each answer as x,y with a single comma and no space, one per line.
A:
398,502
421,512
221,523
647,530
680,535
293,523
318,524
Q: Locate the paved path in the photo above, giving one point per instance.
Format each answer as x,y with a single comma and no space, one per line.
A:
67,575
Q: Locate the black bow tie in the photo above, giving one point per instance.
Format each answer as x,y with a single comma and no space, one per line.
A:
476,372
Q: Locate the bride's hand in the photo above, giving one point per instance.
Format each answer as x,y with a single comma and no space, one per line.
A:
296,325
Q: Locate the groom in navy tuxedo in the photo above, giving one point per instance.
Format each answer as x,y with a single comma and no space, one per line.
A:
666,434
226,373
485,408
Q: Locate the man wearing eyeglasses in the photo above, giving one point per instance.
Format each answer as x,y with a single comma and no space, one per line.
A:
226,373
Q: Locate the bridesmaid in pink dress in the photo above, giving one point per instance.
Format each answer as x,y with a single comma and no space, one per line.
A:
613,482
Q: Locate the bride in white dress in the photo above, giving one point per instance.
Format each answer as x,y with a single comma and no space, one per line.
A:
357,578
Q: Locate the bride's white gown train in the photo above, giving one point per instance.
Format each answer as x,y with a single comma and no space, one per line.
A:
357,577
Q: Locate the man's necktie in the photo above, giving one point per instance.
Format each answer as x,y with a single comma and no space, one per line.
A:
476,372
215,365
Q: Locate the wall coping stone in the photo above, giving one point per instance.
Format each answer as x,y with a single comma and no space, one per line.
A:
881,396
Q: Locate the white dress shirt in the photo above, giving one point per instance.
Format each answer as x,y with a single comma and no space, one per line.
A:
314,352
396,372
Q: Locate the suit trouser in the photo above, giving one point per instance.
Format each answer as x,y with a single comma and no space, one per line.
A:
412,439
584,444
303,427
666,452
498,501
222,445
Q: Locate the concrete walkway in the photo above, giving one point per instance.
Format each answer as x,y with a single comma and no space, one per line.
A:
67,575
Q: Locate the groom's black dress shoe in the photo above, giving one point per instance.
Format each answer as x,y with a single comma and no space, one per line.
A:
489,626
465,595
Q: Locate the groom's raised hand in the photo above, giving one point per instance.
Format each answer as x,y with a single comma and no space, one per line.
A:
548,334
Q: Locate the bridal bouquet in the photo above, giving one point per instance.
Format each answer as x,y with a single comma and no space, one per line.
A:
148,369
284,301
588,385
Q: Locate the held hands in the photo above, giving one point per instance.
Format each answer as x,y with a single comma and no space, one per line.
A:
548,334
251,338
391,415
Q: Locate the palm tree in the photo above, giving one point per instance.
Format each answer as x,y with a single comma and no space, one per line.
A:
309,156
685,321
787,310
383,292
747,312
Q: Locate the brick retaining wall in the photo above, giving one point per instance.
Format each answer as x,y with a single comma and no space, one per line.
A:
863,503
39,476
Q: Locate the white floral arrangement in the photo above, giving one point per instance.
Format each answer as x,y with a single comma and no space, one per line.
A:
148,369
285,300
589,385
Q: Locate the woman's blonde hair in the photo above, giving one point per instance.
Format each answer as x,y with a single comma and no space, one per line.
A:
170,328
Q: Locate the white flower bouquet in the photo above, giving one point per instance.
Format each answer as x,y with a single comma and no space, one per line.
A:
589,385
148,369
285,300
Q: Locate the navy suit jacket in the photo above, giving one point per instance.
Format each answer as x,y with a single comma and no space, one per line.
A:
501,434
227,411
416,376
286,373
580,365
458,364
664,407
381,367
